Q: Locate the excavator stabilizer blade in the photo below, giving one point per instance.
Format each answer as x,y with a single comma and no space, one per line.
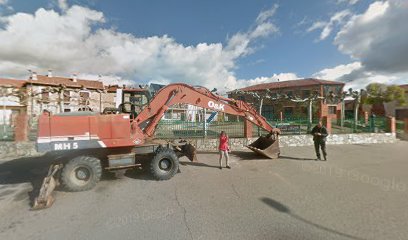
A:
45,198
267,146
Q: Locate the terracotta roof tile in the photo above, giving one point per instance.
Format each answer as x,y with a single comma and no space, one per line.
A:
56,81
12,82
113,88
291,83
404,86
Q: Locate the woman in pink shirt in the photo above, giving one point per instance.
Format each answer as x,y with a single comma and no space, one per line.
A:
224,148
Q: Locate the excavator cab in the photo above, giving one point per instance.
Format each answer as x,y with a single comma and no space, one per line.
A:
268,145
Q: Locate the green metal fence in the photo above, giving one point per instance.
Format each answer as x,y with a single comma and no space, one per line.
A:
400,126
171,129
6,132
183,129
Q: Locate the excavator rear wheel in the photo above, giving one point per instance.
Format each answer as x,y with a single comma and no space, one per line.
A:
164,164
81,173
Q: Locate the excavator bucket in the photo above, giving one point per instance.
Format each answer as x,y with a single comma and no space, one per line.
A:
190,152
45,198
267,146
186,149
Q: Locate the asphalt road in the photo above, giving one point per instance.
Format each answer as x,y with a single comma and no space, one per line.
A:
361,192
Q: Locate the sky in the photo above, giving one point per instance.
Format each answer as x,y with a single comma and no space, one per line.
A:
225,44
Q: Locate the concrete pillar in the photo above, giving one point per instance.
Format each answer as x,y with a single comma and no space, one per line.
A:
21,128
247,129
391,124
366,117
338,117
327,123
322,110
406,125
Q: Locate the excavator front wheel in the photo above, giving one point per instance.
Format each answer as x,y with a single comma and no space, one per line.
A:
81,173
164,164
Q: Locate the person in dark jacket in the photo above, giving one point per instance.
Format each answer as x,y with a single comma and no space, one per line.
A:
319,133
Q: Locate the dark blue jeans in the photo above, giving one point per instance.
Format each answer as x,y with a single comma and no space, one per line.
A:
322,145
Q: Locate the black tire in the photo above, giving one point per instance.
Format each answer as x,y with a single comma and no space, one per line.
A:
164,164
81,173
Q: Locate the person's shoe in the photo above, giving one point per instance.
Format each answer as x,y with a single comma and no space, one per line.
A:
325,157
318,159
220,168
228,167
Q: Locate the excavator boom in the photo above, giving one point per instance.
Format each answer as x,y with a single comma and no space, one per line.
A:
145,124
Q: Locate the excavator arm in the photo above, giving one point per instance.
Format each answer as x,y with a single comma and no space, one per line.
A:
146,122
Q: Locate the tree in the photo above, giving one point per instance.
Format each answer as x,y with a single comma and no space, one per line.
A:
267,94
382,93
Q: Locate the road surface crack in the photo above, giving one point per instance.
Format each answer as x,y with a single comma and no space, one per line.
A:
184,213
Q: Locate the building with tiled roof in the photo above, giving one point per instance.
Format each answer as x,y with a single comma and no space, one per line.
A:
292,84
73,82
5,82
302,88
65,94
11,105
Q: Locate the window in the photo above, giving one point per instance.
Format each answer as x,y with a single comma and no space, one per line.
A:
306,93
135,99
304,110
332,109
86,109
67,97
45,95
84,98
288,112
267,112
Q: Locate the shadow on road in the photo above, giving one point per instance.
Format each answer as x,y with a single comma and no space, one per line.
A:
295,158
197,164
26,170
138,173
31,170
282,208
246,155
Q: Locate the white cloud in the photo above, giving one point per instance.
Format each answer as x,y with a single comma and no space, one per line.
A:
74,41
274,78
327,27
350,2
265,16
378,41
338,71
63,5
361,83
238,44
5,7
317,25
378,37
357,77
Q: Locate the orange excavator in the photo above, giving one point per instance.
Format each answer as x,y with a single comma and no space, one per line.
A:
89,143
